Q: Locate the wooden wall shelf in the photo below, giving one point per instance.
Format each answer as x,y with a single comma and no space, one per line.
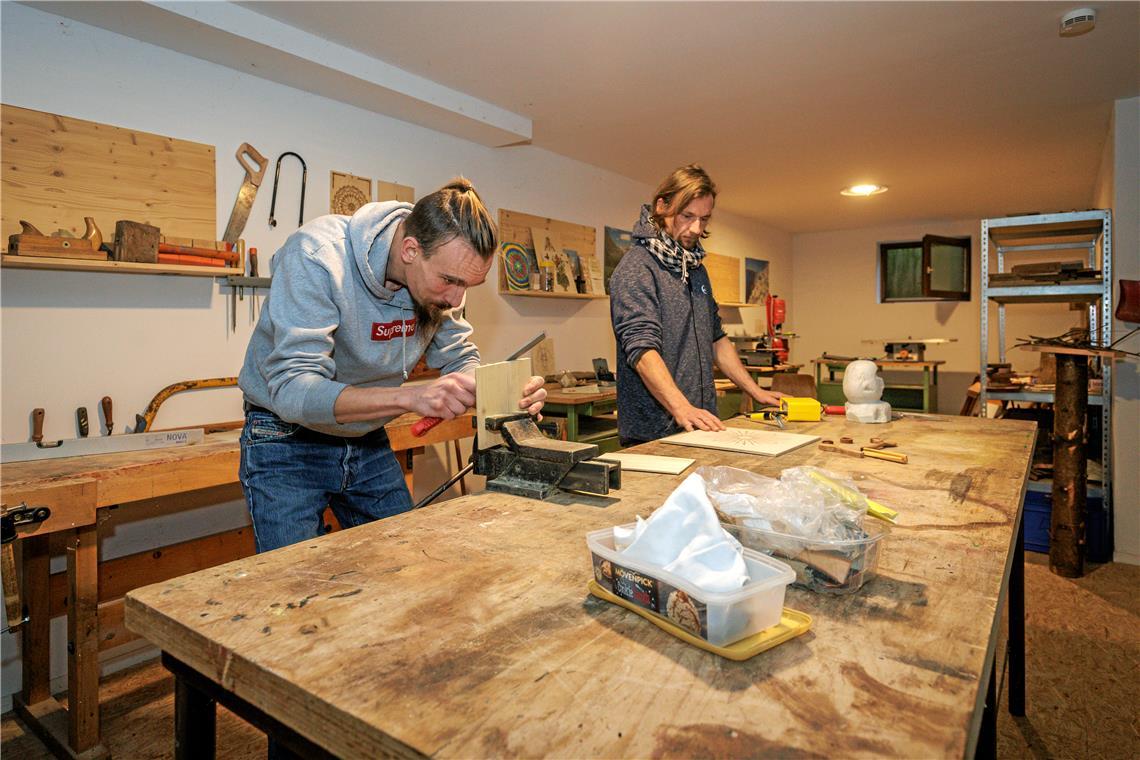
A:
544,294
118,267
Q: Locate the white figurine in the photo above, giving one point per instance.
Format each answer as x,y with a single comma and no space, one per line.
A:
863,388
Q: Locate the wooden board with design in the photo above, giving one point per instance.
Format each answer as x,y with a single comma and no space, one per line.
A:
745,441
57,170
348,192
517,227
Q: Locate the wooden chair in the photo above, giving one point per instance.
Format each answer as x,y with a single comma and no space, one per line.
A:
801,386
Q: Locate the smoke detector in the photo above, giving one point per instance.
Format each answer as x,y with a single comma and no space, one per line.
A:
1078,22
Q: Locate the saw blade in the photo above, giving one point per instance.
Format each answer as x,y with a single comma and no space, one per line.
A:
240,215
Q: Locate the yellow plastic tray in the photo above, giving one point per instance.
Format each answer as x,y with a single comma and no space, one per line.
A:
792,623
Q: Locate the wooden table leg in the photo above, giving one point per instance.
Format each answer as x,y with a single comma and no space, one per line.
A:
195,722
83,638
1016,643
987,735
72,732
36,633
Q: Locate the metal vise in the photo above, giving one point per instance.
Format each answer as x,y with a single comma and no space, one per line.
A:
532,465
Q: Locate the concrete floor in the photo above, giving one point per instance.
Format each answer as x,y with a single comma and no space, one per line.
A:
1083,682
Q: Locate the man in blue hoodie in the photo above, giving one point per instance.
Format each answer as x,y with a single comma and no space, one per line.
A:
355,302
665,318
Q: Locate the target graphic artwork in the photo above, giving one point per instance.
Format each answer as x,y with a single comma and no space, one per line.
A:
516,266
348,192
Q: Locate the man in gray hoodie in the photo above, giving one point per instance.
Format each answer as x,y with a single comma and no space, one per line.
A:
665,318
355,302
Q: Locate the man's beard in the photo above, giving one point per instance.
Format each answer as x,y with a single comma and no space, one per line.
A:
428,315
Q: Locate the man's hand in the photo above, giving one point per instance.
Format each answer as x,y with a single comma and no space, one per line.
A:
694,418
768,398
446,398
534,395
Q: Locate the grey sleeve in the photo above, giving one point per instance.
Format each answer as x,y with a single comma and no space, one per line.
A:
634,311
299,371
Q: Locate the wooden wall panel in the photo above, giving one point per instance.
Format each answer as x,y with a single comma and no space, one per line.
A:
57,170
515,226
724,274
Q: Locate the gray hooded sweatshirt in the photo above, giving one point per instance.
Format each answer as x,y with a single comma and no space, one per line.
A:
329,323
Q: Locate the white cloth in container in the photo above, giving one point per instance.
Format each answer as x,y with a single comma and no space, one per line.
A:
684,537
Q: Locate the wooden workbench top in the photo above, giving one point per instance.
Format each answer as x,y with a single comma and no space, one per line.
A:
465,629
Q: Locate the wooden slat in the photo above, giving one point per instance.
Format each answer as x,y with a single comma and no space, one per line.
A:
71,501
724,274
120,575
498,390
83,639
57,170
35,650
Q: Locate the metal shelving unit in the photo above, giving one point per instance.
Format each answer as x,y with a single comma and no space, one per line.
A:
1046,233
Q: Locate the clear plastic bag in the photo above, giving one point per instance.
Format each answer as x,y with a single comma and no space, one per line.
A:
798,504
811,518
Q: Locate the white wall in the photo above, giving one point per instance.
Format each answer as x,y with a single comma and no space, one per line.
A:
70,338
1118,187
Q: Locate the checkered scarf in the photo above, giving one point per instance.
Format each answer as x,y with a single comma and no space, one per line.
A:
664,248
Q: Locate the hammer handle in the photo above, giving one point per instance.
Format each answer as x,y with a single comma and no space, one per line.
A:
425,424
37,425
105,402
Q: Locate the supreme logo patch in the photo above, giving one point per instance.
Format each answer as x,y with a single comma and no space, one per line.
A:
389,330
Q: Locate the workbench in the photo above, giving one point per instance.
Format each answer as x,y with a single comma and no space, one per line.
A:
465,629
79,491
917,397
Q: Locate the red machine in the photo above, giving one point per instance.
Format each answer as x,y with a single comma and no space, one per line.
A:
777,310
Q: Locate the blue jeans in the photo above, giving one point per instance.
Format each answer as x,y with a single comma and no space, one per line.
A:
290,474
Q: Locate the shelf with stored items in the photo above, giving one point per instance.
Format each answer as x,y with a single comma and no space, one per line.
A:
114,267
1086,284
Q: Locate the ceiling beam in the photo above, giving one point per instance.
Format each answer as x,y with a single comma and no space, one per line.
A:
241,39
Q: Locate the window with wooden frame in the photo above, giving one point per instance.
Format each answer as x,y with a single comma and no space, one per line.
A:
935,268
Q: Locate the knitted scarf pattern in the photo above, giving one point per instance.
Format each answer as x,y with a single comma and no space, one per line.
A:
664,248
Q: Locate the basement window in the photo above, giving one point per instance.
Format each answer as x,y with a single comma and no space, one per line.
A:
935,268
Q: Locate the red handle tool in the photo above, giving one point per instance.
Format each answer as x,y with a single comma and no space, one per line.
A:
835,410
425,424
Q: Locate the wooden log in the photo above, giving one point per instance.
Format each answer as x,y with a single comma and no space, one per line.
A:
135,241
1067,534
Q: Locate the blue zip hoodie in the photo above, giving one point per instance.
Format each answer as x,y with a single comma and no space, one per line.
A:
329,323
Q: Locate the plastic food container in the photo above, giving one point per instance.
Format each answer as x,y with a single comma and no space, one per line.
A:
719,618
827,566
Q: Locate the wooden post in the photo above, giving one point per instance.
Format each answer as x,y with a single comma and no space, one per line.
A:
1067,534
83,637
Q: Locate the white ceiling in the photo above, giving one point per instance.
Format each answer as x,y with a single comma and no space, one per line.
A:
965,110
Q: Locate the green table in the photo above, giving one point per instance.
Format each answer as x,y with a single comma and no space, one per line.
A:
915,397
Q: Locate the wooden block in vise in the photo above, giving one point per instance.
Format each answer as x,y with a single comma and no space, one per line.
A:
135,241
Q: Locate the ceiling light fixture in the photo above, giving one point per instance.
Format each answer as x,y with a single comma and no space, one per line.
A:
862,191
1077,22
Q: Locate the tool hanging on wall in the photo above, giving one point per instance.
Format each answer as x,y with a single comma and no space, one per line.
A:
143,421
248,191
107,407
82,421
253,291
277,176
